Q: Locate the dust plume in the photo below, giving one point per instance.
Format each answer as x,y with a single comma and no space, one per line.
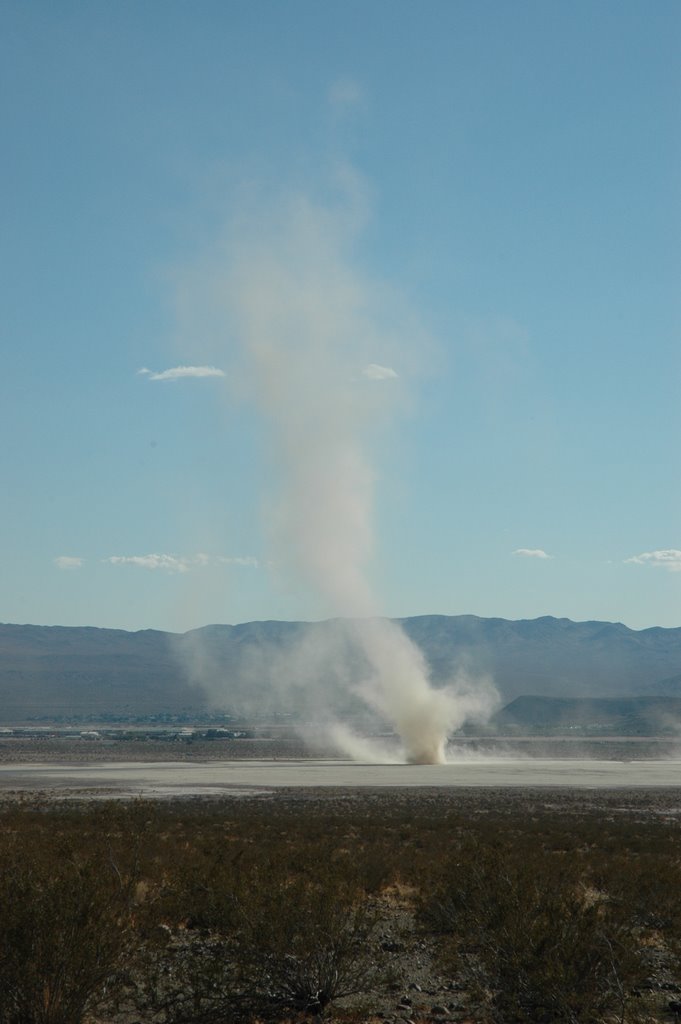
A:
325,352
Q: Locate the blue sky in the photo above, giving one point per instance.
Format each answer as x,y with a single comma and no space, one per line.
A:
499,183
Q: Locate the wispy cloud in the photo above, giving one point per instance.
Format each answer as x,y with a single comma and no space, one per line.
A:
245,560
168,563
180,563
179,372
531,553
68,562
669,558
375,372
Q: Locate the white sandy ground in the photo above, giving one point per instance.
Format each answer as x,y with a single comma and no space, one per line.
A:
233,778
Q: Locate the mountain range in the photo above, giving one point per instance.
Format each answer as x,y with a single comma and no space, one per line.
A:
301,668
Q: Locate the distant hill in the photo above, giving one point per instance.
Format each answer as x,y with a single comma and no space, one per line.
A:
53,671
625,716
48,671
554,657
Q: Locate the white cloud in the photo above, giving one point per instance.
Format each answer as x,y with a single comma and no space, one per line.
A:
68,562
178,372
531,553
169,563
179,563
375,372
669,559
244,560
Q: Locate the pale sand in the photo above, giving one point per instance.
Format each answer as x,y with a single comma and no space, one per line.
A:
235,777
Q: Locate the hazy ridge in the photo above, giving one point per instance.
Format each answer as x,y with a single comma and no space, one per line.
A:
56,670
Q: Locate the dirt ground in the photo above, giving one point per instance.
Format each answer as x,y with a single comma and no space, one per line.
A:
73,749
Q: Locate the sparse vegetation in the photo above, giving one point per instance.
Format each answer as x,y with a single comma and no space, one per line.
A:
493,908
66,928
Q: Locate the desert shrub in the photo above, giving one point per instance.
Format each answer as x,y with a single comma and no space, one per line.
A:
185,978
282,947
249,930
533,945
646,888
303,945
199,890
65,934
644,894
251,909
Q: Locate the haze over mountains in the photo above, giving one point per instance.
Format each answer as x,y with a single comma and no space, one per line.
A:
264,667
